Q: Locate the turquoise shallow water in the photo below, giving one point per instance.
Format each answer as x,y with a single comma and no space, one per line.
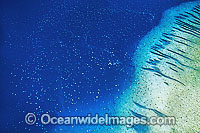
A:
167,64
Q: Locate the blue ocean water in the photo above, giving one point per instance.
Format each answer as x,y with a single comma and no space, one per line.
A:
69,57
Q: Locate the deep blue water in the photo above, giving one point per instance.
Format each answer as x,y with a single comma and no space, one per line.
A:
69,57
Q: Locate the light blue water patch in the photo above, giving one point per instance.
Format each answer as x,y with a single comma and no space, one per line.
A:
167,64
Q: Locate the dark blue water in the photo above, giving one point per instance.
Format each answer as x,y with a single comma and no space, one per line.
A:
69,57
